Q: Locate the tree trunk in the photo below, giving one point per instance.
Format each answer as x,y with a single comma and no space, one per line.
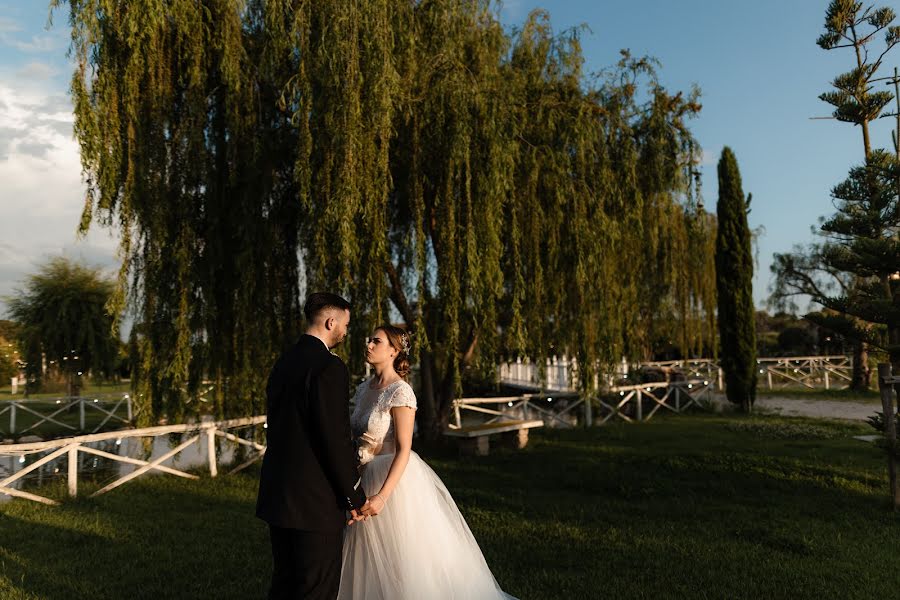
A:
860,377
428,403
435,400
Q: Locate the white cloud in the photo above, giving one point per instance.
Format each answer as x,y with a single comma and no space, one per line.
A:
710,157
36,70
8,25
37,43
511,9
41,192
11,37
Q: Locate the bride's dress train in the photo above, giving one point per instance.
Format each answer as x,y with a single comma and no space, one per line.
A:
419,547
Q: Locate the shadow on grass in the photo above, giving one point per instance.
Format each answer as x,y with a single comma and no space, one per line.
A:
158,537
699,507
681,509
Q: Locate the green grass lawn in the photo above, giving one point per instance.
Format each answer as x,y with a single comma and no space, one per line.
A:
698,506
802,393
90,388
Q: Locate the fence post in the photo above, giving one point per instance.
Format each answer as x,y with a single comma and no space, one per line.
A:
588,414
885,385
640,406
721,385
81,413
73,470
211,450
827,383
12,418
128,406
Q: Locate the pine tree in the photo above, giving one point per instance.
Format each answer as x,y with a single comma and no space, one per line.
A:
855,272
734,284
852,272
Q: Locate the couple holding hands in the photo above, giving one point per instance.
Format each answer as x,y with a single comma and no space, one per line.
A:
407,540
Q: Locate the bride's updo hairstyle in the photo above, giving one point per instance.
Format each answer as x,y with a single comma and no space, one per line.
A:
399,341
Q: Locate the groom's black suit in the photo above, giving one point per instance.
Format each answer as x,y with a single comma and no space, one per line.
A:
309,476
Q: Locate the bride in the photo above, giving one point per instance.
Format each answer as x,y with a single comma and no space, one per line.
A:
413,542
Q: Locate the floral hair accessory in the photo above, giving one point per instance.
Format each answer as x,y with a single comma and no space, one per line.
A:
404,341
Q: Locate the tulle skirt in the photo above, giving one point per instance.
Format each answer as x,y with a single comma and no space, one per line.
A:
418,548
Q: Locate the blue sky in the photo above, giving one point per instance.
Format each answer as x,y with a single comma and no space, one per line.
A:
760,73
41,195
756,63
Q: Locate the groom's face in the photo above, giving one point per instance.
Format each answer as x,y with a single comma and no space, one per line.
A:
341,325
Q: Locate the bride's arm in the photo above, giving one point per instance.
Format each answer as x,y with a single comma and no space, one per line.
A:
404,417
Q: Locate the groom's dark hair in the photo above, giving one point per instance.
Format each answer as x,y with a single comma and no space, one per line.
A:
320,301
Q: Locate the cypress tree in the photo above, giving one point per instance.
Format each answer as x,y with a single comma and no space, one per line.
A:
734,283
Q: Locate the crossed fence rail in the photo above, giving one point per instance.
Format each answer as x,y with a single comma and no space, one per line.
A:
47,410
807,371
560,374
72,446
632,403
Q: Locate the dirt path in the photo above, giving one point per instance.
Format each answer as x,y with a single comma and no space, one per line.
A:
826,409
822,409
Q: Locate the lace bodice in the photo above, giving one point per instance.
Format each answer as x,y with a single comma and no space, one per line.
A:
371,422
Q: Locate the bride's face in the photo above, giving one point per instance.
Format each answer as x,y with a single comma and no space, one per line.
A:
379,349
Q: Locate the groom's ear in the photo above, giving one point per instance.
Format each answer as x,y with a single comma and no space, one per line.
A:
329,323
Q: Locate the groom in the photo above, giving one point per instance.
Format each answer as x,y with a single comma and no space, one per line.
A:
309,476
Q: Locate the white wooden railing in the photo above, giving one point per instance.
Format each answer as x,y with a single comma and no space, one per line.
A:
71,446
511,406
632,403
808,371
560,374
46,411
674,396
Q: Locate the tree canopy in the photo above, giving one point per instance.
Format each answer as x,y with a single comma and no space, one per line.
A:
62,318
413,156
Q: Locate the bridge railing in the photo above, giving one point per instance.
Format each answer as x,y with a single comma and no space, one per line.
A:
560,374
810,372
48,410
70,448
631,403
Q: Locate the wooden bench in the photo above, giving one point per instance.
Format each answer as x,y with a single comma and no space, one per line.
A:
476,440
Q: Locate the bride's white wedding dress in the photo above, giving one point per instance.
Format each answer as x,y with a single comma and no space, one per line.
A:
419,547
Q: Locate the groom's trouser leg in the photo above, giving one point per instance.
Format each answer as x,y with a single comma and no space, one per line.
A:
307,564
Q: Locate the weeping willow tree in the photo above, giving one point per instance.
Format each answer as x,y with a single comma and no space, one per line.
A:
413,156
185,152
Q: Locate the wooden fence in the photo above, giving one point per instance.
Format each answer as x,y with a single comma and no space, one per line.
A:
70,447
47,411
808,371
560,374
633,403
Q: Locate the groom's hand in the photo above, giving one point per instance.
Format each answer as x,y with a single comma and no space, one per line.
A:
356,516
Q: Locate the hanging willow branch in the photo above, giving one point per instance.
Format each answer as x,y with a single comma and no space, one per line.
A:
416,157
